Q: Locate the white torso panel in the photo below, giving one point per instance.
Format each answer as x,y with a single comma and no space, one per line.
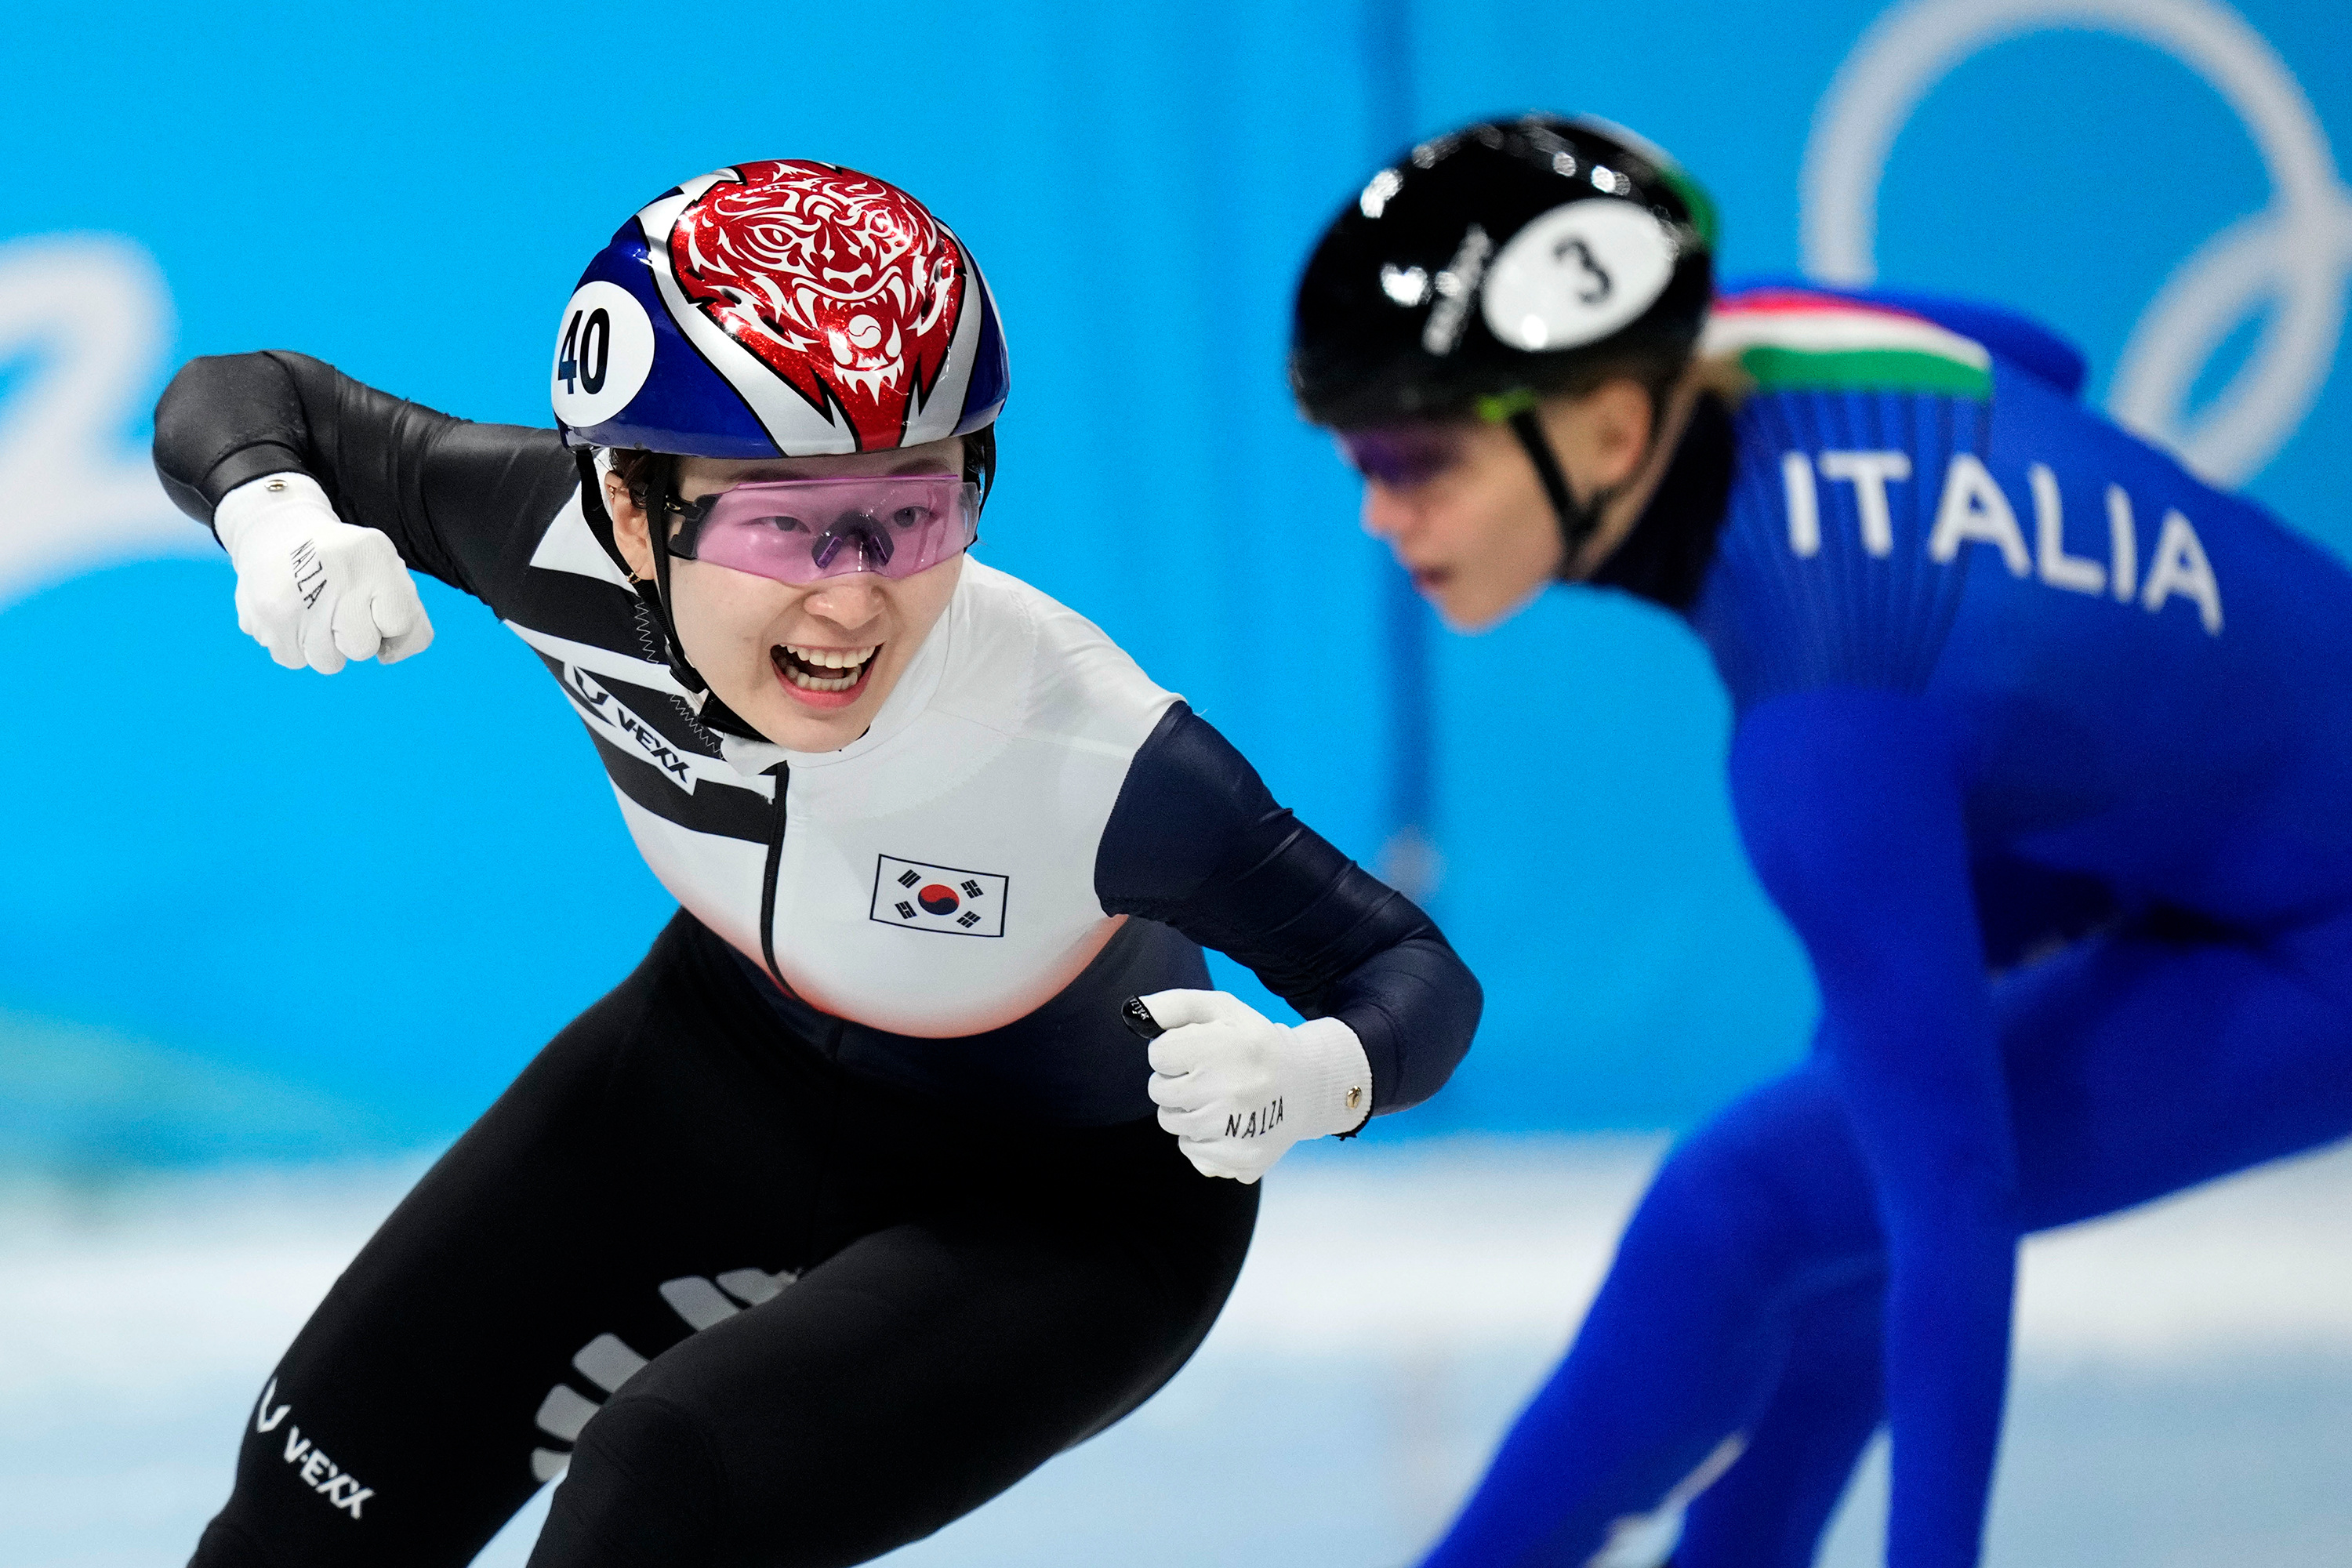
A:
936,876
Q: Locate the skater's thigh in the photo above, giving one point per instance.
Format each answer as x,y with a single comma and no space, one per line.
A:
2140,1064
2137,1064
548,1253
894,1387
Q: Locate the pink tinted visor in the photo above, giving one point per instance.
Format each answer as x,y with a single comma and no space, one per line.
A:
798,530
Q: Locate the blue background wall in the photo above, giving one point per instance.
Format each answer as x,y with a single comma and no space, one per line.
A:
252,912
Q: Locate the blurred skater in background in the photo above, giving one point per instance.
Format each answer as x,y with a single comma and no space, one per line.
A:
853,1203
2041,744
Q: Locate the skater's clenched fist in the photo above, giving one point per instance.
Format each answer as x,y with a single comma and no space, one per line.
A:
312,588
1238,1089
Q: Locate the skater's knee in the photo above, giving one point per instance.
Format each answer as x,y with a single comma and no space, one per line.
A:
1761,1192
224,1546
1707,1204
657,1480
646,1489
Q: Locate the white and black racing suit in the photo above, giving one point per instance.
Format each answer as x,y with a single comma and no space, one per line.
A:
877,1058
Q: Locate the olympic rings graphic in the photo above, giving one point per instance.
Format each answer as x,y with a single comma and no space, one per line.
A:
2296,252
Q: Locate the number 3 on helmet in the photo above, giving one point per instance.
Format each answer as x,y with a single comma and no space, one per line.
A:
1496,264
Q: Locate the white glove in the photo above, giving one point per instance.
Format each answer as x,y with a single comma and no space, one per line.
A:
1238,1089
312,588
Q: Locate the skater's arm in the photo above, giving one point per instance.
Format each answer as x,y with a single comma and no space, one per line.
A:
1849,802
1196,841
452,495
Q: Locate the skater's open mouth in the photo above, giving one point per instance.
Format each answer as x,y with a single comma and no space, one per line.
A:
826,677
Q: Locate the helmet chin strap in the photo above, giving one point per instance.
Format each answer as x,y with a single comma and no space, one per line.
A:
1577,522
659,502
661,499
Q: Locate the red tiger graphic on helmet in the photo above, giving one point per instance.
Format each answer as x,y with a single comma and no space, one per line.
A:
843,285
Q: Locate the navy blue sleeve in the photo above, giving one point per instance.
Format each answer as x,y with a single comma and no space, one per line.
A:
456,499
1849,802
1196,841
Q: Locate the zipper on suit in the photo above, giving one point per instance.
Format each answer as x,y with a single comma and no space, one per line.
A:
784,776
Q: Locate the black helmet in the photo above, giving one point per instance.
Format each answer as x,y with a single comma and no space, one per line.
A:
1503,259
1492,266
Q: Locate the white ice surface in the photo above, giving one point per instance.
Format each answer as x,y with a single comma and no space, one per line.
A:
2184,1389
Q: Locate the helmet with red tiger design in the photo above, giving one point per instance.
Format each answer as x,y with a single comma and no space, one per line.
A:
783,308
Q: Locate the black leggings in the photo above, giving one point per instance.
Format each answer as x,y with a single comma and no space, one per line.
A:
811,1319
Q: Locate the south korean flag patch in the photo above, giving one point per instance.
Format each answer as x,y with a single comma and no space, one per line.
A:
943,899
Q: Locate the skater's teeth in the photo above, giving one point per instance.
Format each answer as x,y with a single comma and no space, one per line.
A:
801,666
830,657
812,683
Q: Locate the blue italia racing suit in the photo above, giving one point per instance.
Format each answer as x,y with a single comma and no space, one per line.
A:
2043,747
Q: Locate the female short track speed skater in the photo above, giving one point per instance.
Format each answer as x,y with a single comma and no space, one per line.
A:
848,1208
2041,744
